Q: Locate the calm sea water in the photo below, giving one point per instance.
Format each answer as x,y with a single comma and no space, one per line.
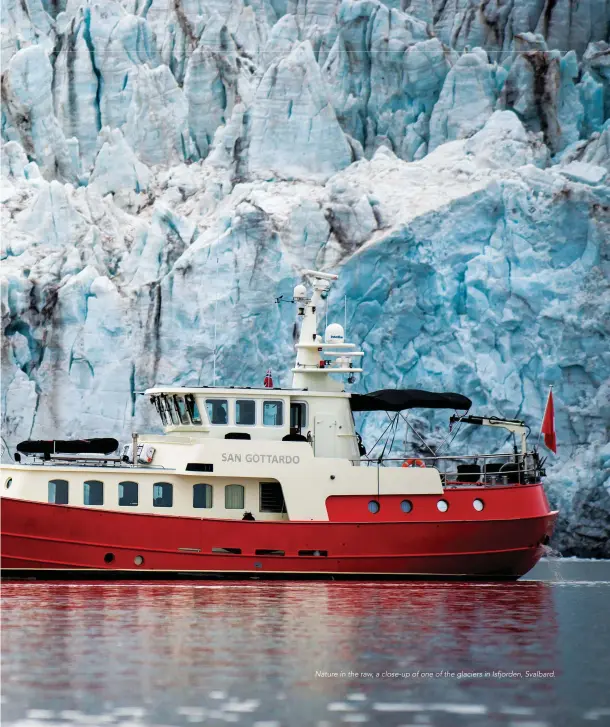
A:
311,653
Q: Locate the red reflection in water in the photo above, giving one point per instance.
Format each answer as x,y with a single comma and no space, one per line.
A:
127,642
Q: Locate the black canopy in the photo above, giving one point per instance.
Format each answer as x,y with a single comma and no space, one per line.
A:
399,399
101,445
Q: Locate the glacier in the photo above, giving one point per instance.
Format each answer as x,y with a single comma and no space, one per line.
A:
168,169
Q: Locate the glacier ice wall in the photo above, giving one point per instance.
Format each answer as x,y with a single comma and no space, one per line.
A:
165,165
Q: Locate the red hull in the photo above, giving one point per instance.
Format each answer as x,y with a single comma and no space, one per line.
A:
504,541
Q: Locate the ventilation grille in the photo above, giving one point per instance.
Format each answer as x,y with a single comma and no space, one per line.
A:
271,497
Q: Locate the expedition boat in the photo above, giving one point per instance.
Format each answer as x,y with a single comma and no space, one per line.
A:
269,482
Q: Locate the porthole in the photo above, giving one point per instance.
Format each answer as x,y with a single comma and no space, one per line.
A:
373,507
442,505
109,557
478,505
138,560
406,505
8,483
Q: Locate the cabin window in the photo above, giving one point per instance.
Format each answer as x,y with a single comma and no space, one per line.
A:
273,413
202,495
173,410
193,409
58,492
218,411
128,494
271,497
234,497
245,412
182,412
93,492
161,410
298,415
163,494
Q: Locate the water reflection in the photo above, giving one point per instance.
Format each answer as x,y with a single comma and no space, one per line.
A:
174,647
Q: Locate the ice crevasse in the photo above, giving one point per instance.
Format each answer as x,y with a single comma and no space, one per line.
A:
164,164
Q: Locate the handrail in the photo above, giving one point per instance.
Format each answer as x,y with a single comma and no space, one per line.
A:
442,457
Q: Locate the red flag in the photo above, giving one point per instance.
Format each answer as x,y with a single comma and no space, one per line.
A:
268,380
548,424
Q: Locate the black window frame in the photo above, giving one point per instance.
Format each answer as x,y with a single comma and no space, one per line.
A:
280,404
167,502
207,488
101,490
183,412
193,409
55,482
303,406
161,411
222,401
248,424
137,498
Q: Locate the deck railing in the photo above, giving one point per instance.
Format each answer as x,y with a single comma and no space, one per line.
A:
484,469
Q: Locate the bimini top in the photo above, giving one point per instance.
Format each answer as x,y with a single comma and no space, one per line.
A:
399,399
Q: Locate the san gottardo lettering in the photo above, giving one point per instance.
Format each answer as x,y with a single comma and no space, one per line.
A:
262,458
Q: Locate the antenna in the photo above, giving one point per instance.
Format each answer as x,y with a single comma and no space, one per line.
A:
215,321
322,276
345,314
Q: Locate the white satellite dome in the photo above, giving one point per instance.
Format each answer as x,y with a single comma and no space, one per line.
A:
334,333
300,292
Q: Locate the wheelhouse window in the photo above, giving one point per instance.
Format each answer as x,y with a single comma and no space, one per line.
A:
245,412
182,411
273,413
93,492
128,494
163,494
173,410
159,403
193,409
58,492
202,495
234,497
218,411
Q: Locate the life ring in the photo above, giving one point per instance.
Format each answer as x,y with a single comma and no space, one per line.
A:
413,463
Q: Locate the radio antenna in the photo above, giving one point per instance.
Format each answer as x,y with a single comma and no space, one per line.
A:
215,320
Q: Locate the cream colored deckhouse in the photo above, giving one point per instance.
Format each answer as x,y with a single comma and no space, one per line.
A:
270,454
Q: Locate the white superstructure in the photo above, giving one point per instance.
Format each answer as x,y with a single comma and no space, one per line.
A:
274,453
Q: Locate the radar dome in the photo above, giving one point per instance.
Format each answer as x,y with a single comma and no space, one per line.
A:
300,292
334,333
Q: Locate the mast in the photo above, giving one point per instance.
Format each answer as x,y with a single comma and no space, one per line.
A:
318,357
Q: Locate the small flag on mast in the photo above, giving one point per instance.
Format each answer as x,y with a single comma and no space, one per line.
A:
548,424
268,380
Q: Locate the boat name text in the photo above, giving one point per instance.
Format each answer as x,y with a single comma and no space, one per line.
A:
266,458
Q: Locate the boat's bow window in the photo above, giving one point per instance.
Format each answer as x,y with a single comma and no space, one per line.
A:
163,494
193,409
58,492
234,497
273,413
93,492
128,494
202,495
245,412
182,412
218,411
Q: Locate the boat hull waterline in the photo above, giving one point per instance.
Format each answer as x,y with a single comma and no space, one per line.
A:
49,541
